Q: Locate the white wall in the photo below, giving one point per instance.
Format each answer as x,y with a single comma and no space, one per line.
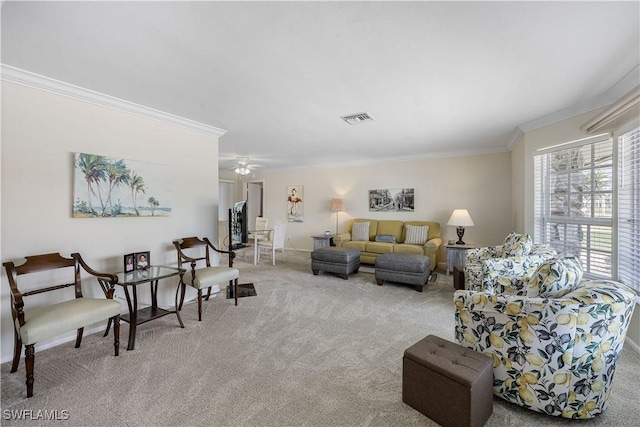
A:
480,184
40,133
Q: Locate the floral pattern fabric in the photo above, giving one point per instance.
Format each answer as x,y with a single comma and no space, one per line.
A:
516,245
552,355
484,267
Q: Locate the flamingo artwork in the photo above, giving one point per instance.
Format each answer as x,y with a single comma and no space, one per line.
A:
295,203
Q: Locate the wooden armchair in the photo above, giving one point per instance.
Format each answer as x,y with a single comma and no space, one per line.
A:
202,275
34,324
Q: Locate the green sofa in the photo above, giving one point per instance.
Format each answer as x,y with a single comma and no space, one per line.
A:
370,249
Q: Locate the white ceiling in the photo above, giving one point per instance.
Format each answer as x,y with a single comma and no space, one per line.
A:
440,78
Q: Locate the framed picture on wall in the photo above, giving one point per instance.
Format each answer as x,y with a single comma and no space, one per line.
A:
391,200
295,203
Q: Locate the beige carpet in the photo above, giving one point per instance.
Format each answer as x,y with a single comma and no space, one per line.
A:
306,351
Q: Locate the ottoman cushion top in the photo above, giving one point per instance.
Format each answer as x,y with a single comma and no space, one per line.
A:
461,364
410,263
335,254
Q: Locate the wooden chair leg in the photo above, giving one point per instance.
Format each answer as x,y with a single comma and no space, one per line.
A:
235,290
208,294
106,332
17,350
79,337
29,360
116,333
199,305
183,290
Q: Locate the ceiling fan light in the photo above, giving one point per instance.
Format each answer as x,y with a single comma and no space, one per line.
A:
242,170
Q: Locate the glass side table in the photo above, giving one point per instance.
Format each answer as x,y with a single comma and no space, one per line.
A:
130,281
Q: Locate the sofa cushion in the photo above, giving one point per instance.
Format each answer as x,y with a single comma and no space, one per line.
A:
379,247
360,231
557,277
416,235
516,245
356,244
403,248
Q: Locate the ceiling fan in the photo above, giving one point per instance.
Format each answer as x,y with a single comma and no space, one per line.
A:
242,167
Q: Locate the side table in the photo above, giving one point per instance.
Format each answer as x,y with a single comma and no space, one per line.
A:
322,241
456,255
139,316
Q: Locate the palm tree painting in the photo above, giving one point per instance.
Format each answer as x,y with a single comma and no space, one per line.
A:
106,187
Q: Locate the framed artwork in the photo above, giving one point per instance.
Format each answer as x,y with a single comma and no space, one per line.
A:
391,200
295,203
142,260
129,263
108,187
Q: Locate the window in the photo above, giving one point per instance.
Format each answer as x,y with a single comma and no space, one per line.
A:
629,208
587,203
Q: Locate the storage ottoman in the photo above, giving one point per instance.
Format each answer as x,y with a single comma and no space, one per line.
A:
412,269
341,261
448,383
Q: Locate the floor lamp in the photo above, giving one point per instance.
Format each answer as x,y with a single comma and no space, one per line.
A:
337,206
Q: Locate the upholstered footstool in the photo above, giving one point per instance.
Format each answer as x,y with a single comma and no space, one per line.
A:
341,261
448,383
412,269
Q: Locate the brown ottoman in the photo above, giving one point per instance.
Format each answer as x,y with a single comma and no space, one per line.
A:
448,383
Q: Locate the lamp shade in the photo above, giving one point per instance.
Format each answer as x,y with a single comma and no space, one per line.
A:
337,205
460,218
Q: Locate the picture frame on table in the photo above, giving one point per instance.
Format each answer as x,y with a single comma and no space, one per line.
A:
142,260
129,263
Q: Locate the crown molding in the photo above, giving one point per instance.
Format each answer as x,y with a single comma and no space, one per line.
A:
626,84
36,81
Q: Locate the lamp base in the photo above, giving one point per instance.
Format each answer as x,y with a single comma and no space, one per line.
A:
460,232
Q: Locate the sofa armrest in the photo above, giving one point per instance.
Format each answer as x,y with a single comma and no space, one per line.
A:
339,239
433,244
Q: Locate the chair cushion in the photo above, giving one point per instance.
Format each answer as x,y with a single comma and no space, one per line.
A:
516,245
52,320
416,235
209,276
360,231
557,277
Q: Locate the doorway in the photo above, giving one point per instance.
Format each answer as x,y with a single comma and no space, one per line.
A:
254,195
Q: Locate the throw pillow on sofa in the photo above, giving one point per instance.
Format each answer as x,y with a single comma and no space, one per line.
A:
416,234
386,238
360,231
557,277
516,245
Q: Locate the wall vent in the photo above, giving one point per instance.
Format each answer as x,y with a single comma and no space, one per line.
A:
353,119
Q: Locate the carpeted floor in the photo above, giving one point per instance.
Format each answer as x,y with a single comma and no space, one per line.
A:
305,351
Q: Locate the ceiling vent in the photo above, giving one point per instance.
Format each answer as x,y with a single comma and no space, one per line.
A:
354,119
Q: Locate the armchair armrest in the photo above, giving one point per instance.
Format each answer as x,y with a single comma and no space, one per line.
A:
107,281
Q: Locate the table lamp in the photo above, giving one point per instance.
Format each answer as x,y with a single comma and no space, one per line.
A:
337,206
460,219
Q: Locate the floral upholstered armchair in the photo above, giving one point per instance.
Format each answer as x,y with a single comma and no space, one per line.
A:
516,257
555,352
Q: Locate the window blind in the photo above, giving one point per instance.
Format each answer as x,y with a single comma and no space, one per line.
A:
574,202
629,209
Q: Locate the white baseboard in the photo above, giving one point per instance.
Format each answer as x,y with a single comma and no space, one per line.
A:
634,346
